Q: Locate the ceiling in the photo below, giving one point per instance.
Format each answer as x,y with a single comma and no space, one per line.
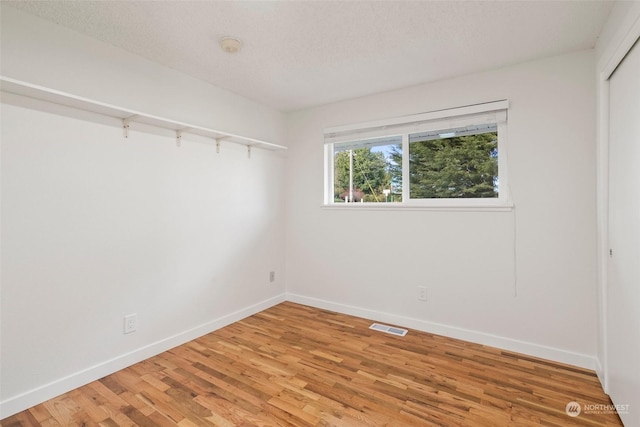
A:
298,54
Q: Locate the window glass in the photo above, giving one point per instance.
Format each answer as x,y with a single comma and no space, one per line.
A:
368,171
454,163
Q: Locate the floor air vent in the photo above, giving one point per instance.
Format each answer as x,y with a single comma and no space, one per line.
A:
388,329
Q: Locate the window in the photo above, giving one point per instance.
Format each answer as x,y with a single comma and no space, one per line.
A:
445,158
368,171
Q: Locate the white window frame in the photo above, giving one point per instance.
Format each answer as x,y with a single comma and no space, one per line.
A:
491,112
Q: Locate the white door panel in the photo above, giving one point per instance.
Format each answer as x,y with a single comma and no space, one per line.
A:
623,289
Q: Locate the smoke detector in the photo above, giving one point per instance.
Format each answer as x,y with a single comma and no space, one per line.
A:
230,44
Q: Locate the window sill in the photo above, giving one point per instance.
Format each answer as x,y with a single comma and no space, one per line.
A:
411,207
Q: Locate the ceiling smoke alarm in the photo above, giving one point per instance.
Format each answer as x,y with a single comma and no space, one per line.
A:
230,44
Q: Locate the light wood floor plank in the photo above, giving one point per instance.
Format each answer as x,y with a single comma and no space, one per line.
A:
293,365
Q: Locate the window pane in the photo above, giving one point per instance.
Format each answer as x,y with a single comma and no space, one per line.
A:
368,171
454,163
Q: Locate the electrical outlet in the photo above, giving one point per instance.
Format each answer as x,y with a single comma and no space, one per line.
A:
272,276
422,293
130,323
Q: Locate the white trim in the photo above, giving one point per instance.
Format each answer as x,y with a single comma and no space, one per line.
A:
602,226
406,177
417,207
328,174
600,374
509,344
15,404
621,51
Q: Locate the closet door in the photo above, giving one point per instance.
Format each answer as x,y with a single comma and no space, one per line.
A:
623,290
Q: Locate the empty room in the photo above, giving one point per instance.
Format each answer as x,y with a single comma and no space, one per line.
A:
319,213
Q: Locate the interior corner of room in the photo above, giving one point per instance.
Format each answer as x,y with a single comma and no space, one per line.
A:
142,208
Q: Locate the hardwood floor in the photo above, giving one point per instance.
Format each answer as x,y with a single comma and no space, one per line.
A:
293,365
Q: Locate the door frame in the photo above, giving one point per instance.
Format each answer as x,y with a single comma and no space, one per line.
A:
605,71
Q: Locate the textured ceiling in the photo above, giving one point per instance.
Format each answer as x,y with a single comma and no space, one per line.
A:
302,53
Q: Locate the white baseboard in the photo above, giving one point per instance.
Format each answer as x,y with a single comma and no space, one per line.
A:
536,350
602,376
26,400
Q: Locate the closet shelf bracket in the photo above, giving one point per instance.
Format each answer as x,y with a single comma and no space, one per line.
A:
126,123
125,128
218,141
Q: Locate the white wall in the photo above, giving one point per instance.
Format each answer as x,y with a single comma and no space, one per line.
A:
370,262
95,227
